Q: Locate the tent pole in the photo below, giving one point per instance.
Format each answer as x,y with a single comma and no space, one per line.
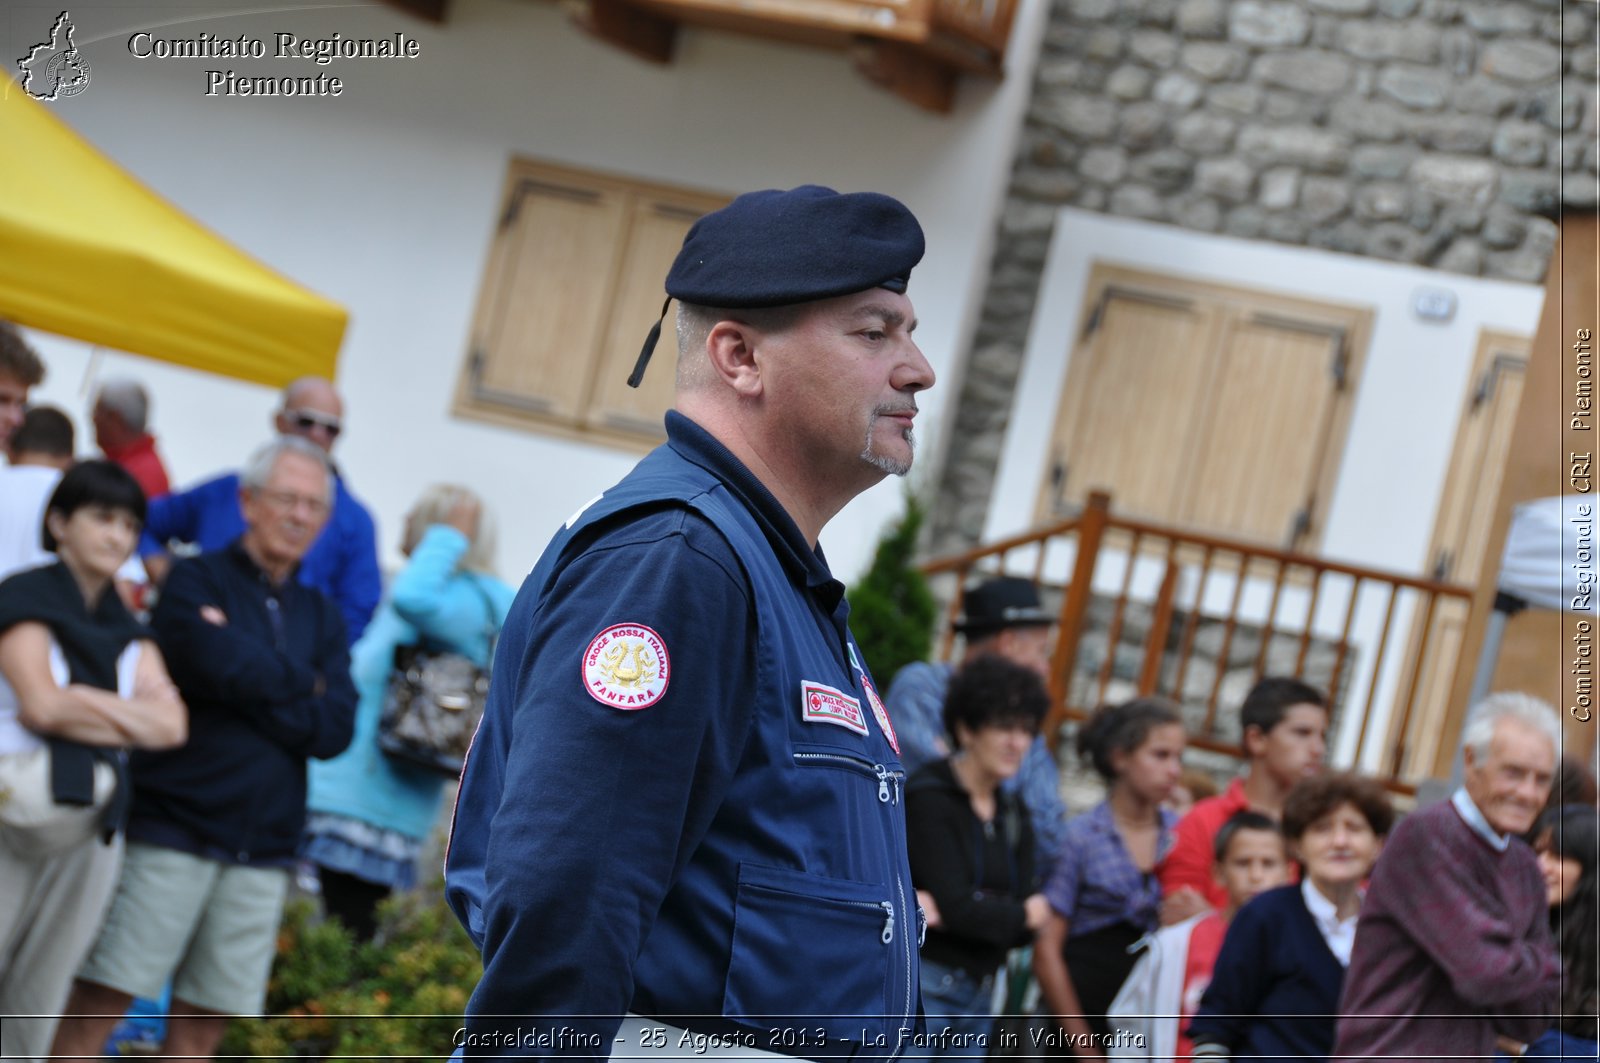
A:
91,372
1506,606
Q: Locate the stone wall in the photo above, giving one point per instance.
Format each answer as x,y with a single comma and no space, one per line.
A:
1436,132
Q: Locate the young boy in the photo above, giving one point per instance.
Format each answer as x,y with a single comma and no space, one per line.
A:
1284,724
1164,989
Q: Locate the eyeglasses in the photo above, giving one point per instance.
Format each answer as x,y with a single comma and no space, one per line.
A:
289,500
306,420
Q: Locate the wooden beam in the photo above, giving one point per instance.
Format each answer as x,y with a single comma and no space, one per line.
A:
428,10
795,19
1536,654
639,33
1075,609
908,73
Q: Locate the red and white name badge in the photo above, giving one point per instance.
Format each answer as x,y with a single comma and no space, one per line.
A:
820,703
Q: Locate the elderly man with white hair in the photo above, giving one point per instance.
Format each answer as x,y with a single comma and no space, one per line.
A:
342,563
260,660
1453,949
121,418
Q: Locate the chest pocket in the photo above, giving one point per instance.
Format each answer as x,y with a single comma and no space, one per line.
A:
810,953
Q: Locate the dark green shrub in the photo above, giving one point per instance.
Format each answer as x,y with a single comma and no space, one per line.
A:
892,611
400,997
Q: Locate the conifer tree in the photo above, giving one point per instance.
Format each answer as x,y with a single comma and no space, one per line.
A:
892,611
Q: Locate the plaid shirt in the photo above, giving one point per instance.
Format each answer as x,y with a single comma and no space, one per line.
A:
1095,883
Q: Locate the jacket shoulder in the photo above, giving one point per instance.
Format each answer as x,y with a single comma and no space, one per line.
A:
352,509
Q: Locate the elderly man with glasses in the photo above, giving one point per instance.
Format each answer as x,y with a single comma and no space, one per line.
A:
214,825
342,563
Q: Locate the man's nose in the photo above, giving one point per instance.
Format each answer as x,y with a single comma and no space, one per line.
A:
916,374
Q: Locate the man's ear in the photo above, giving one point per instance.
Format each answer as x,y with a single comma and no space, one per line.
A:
731,350
1254,741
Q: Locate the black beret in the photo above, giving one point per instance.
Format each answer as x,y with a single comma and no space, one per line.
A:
776,248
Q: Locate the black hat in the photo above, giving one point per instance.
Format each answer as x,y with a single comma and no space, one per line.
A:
1002,603
777,248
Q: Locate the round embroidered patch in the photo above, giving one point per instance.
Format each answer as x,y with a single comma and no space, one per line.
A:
626,667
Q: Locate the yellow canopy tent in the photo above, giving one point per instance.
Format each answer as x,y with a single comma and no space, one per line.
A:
86,251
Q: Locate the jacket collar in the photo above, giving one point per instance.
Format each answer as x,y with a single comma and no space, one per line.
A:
1474,818
700,447
241,557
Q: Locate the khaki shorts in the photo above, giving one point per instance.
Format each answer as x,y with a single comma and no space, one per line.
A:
211,927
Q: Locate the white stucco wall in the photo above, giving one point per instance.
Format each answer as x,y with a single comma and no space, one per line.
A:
1409,397
384,200
1409,393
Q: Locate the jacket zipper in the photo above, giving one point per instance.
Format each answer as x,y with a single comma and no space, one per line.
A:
887,908
905,972
888,779
888,792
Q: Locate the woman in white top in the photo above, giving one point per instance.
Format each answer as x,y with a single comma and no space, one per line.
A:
80,681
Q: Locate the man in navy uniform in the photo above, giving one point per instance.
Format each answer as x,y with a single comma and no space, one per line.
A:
684,801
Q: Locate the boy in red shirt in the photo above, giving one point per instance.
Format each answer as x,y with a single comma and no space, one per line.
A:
1163,992
1283,724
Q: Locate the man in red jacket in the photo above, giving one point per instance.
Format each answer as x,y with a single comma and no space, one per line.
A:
121,416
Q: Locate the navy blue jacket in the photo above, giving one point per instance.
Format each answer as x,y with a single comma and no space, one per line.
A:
1274,992
265,691
708,822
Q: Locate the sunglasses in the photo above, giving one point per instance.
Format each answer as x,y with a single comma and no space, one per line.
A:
306,420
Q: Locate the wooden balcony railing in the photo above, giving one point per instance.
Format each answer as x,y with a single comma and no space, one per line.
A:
915,48
1200,618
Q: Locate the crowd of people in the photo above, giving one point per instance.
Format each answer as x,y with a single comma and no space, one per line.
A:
178,735
1287,918
689,820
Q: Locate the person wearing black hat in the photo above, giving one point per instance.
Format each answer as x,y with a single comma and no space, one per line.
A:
1005,618
684,801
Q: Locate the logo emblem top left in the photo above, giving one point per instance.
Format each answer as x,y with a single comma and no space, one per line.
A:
55,68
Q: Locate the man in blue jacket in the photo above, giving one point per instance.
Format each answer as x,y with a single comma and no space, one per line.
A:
684,803
342,563
261,662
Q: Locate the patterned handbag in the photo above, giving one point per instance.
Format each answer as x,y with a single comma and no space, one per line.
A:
434,701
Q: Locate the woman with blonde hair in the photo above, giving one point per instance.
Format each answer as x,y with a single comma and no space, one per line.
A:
369,814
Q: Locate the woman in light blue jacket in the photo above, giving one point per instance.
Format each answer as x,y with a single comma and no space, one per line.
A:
369,815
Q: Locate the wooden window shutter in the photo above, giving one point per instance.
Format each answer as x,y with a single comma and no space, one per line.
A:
1256,464
656,228
575,279
1213,408
548,303
1132,386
